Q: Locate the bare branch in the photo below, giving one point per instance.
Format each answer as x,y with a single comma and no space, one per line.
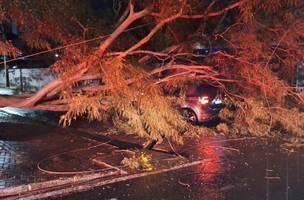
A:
212,14
154,31
131,18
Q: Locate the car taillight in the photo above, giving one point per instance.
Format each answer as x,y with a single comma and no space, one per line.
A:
203,100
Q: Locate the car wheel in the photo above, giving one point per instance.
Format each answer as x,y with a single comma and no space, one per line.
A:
190,116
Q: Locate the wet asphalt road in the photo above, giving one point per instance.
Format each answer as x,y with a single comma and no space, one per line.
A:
235,169
259,171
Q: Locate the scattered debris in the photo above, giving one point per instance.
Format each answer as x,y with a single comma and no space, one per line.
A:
142,162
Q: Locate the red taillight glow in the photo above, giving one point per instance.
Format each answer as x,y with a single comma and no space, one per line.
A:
203,100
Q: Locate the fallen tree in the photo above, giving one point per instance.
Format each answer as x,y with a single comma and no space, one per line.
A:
121,79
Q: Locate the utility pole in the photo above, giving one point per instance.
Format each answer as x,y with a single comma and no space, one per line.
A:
21,80
7,83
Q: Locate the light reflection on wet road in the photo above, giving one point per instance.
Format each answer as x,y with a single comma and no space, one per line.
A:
260,170
249,169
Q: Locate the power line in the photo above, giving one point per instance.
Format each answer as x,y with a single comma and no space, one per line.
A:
71,45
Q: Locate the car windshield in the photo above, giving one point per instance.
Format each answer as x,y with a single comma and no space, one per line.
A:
201,90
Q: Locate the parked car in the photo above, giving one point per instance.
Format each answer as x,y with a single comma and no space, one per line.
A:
202,104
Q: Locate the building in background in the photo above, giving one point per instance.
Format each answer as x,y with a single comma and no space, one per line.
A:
24,74
26,79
